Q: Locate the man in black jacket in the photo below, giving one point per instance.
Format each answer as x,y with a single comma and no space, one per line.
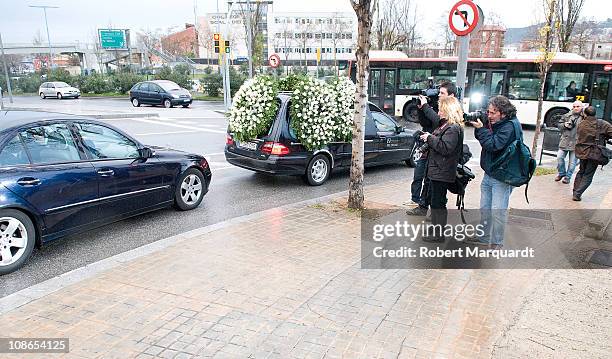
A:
429,120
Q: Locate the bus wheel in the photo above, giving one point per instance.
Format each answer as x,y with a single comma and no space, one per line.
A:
553,117
411,112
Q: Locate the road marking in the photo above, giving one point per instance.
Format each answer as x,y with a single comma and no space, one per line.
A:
178,126
195,118
167,133
214,154
186,122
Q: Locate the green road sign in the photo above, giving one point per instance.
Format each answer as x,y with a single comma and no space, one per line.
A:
112,39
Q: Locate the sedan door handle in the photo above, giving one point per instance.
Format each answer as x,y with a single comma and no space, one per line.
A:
106,173
28,181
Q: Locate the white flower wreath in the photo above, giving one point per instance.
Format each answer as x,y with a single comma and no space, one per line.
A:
254,108
320,112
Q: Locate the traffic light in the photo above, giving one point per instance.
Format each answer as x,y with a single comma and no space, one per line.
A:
217,40
227,47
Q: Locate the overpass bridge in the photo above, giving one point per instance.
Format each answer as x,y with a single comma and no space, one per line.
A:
89,56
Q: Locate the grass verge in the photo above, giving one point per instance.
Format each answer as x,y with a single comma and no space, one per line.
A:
543,171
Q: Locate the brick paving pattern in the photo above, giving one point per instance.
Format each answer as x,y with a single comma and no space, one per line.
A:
284,285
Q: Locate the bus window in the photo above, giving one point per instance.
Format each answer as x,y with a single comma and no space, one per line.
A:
374,87
411,79
445,75
479,82
565,86
524,86
497,83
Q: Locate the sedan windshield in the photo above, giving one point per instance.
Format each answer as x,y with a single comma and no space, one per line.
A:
169,86
61,84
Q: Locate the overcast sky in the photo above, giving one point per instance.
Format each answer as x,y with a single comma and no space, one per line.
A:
77,19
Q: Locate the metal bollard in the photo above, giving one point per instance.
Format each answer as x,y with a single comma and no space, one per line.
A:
1,99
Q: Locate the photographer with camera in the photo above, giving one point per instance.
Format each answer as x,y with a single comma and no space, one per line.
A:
592,135
567,126
429,120
495,131
445,144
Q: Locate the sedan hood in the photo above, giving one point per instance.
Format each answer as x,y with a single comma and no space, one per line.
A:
164,150
181,92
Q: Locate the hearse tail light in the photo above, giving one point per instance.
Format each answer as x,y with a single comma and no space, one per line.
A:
275,148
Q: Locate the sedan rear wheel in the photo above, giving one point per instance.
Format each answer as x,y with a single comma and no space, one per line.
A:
17,238
167,103
190,191
318,170
135,102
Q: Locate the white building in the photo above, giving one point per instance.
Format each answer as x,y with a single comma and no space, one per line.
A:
294,36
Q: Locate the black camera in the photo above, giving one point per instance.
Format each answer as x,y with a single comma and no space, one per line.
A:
474,116
421,147
431,92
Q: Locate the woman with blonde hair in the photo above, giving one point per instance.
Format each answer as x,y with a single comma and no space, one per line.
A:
445,145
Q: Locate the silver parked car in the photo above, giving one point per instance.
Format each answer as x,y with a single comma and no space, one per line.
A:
58,89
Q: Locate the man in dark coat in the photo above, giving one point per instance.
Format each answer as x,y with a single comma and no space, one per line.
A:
586,149
429,120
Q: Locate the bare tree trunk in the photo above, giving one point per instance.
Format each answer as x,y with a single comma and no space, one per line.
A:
544,61
364,10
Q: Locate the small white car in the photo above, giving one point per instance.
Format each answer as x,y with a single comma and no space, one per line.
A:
58,89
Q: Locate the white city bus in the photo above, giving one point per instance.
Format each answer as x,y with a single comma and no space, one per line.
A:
396,81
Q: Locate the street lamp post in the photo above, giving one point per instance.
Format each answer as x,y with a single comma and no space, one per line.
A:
45,7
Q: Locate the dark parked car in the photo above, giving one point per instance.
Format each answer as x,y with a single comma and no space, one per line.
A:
160,92
61,175
279,151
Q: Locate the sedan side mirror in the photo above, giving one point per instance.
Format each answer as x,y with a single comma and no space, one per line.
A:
145,153
399,129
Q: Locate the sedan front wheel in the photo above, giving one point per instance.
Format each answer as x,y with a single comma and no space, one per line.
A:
190,190
17,239
167,103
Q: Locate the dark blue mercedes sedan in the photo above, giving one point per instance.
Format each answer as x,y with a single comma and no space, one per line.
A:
63,174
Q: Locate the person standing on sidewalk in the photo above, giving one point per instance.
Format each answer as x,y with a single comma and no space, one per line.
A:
429,120
445,144
587,150
568,125
494,135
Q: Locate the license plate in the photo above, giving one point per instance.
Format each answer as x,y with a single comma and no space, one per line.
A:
251,146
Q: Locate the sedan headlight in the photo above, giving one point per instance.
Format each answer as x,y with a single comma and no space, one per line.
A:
175,96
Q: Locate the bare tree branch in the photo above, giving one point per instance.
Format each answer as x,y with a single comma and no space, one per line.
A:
568,13
393,28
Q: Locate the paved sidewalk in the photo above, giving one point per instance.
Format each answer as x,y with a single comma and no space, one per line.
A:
287,283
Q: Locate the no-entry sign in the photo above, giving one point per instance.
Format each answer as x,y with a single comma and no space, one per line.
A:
464,17
274,60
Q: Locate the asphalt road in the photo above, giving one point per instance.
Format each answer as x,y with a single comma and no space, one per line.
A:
233,192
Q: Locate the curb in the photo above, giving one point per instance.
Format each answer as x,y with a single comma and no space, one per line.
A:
600,225
37,291
98,116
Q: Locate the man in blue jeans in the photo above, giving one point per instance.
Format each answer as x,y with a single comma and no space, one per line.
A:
568,125
495,135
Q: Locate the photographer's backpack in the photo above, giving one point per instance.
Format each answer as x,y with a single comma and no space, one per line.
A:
514,165
463,177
